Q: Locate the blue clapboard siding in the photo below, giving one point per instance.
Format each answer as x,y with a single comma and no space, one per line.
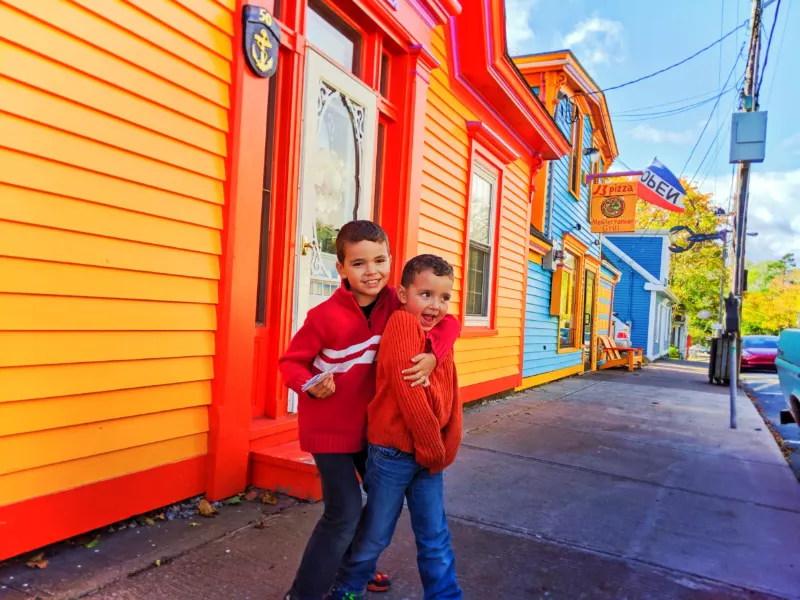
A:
541,346
631,300
607,272
567,210
644,249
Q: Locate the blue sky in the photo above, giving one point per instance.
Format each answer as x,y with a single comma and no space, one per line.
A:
621,40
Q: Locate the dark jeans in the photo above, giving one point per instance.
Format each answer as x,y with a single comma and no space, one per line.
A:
393,475
334,532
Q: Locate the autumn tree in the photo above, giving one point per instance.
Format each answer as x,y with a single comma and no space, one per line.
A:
694,274
772,302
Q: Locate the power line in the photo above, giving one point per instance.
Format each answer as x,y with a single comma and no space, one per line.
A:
780,47
769,43
623,112
713,110
665,69
669,113
716,136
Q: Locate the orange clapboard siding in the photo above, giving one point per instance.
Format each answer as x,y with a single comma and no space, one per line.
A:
27,383
191,25
124,15
42,243
114,40
29,348
64,411
65,82
43,108
443,225
113,121
45,142
35,35
37,277
42,448
22,485
41,208
56,178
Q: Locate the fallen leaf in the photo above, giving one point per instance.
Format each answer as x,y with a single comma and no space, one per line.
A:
158,562
206,509
150,522
93,543
161,517
251,495
269,498
37,562
234,500
193,524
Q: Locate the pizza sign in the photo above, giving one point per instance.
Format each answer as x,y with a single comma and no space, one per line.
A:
613,207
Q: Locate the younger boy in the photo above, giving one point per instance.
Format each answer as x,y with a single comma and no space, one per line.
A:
413,434
340,338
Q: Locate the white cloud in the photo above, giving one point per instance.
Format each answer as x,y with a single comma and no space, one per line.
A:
597,41
518,29
773,212
648,133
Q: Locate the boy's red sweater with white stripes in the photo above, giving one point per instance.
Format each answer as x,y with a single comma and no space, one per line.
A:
336,336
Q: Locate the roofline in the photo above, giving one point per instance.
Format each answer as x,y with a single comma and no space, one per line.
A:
631,263
567,58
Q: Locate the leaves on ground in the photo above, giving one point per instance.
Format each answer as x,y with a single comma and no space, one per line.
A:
193,524
93,543
158,562
37,562
269,498
237,499
251,495
206,509
149,521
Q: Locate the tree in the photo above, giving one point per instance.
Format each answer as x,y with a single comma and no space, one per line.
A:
694,274
775,303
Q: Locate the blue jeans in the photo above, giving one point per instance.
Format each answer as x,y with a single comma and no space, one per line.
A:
391,476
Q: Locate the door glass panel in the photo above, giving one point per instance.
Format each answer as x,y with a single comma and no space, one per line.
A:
588,316
335,165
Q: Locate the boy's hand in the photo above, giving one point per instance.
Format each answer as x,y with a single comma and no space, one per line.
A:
323,389
424,364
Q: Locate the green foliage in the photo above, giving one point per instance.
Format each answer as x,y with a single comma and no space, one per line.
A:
674,352
772,302
695,274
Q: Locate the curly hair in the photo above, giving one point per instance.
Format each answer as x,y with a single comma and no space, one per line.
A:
425,262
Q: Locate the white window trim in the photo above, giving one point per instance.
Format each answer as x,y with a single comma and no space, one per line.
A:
487,173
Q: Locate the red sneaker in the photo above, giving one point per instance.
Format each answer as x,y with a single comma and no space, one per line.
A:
380,582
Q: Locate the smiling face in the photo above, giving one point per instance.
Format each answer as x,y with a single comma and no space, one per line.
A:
427,297
366,268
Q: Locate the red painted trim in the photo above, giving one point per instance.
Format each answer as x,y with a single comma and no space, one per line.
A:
230,410
31,524
488,388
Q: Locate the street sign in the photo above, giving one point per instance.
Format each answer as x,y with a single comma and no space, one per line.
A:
659,186
613,207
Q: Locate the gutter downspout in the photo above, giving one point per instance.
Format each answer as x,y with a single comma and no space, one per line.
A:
549,223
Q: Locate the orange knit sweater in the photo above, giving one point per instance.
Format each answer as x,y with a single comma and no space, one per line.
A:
424,421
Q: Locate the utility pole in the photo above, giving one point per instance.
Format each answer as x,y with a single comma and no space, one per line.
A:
750,101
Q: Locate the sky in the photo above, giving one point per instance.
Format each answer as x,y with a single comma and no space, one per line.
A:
621,40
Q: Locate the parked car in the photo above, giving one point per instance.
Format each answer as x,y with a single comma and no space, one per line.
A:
788,365
759,351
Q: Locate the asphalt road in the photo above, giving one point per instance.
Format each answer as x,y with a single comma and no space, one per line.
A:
764,389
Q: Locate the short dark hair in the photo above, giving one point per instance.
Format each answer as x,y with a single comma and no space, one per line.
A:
425,262
359,231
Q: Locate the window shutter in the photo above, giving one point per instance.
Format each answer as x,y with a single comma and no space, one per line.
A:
555,293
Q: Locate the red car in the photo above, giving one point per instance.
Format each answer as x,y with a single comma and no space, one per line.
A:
759,351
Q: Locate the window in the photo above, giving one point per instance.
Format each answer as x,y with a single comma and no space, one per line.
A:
379,152
576,159
334,37
482,203
567,323
383,82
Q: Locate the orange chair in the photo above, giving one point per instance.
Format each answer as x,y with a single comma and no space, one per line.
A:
613,355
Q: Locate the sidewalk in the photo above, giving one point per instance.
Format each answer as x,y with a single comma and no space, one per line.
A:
612,485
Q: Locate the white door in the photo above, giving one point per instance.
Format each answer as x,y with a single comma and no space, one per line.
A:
336,176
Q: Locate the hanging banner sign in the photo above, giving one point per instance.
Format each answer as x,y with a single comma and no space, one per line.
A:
613,208
262,37
658,185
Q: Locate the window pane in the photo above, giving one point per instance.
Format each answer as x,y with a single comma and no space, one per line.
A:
480,209
376,202
477,280
384,79
332,39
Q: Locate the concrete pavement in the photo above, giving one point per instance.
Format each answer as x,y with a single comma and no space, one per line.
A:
611,485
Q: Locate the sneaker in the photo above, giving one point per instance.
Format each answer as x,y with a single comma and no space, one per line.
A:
379,583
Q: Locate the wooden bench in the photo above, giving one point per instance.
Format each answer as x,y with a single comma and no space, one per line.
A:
615,356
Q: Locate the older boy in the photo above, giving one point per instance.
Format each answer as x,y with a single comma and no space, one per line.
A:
340,338
413,434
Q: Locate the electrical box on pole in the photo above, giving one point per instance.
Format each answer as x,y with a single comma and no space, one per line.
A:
748,137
